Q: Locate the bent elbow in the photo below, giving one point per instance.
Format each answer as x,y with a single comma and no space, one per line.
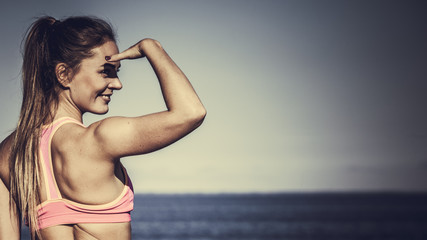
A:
194,118
201,113
188,119
198,116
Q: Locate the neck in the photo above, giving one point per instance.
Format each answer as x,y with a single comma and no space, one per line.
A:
66,107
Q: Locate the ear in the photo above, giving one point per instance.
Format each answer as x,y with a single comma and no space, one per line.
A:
63,74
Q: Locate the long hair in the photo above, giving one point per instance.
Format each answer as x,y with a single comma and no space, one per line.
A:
47,43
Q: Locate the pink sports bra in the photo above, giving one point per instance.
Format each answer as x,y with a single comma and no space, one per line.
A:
57,210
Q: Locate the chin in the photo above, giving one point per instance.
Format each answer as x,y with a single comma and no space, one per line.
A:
100,111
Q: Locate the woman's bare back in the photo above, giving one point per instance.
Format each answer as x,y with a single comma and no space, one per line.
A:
88,231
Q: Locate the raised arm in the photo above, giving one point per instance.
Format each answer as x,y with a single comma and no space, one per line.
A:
185,112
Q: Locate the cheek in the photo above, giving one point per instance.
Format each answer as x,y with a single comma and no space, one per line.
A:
82,91
89,84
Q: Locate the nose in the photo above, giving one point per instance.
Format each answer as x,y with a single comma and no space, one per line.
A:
115,84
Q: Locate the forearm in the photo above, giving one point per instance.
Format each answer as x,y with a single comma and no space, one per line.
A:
177,91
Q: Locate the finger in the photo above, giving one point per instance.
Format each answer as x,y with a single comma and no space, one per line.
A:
130,53
116,57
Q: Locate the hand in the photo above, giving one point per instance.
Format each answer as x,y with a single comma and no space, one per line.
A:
134,52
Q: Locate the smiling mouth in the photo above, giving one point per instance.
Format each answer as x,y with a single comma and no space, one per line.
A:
106,97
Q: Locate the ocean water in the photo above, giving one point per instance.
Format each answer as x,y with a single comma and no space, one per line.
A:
287,216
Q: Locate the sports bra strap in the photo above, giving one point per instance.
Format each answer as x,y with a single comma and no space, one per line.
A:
52,190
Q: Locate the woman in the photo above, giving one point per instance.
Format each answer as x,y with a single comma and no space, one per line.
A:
65,178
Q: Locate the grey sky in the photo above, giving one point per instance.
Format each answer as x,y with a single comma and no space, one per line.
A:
301,95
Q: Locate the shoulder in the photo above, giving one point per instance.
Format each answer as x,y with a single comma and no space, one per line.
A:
5,149
77,139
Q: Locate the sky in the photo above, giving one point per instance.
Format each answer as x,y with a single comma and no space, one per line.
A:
301,95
